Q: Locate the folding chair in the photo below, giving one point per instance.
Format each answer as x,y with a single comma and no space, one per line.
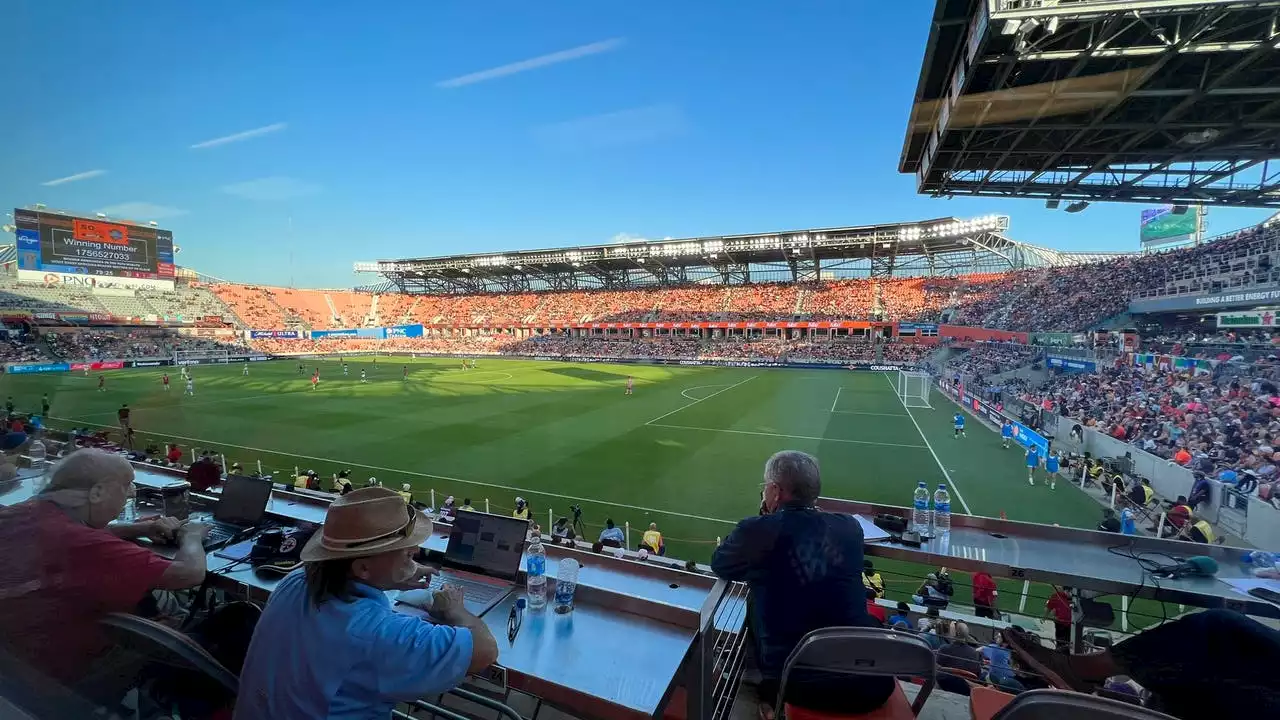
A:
1067,705
161,648
862,651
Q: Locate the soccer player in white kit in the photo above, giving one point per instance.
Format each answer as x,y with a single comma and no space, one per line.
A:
630,384
363,378
246,369
344,369
191,387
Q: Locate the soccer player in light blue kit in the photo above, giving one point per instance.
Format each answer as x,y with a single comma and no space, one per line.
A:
1033,462
1006,433
959,421
1051,465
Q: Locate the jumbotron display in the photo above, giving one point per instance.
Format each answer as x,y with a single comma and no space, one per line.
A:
60,247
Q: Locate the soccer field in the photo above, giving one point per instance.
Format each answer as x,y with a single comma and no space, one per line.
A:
685,451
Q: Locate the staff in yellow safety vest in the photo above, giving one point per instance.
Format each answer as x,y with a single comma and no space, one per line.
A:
466,505
652,539
522,509
406,492
1200,531
308,481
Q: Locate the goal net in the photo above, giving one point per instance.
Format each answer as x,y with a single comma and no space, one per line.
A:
913,388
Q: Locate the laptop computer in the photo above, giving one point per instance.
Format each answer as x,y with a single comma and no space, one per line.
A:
482,557
241,506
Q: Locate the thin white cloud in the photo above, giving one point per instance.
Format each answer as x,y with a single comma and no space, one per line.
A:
541,61
268,189
241,136
141,211
73,178
624,127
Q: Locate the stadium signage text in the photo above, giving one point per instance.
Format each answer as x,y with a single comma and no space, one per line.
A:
1248,299
23,368
1071,364
277,334
1266,318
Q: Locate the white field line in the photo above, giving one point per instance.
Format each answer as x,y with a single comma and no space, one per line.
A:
951,484
859,412
837,400
380,468
685,392
783,435
695,402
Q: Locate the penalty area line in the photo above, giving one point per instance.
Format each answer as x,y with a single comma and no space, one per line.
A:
784,435
380,468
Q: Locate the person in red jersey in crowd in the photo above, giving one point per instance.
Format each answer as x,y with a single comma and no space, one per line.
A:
75,568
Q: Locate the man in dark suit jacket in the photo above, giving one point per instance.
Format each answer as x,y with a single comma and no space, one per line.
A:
804,567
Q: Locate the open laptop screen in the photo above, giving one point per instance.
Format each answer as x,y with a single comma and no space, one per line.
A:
490,544
243,500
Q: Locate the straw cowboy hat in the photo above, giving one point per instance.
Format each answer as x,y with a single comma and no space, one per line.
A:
365,522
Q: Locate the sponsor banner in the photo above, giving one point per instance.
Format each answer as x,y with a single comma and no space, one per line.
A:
404,331
9,314
918,328
146,363
276,334
1197,302
1263,318
23,368
1049,339
668,361
1069,364
97,365
76,280
1177,363
366,333
218,332
223,360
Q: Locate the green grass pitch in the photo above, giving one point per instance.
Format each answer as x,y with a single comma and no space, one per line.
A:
685,451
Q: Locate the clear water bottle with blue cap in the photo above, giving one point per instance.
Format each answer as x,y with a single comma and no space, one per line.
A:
566,584
942,510
920,509
535,566
1260,560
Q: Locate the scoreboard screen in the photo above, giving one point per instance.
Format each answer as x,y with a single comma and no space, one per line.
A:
56,243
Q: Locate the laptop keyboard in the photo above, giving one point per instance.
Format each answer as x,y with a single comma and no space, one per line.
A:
471,590
219,534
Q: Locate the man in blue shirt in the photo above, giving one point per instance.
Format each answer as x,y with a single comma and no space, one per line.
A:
611,535
1033,462
329,644
1006,434
1051,466
959,422
804,567
903,614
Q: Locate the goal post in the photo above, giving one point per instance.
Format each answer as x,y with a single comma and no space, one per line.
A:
913,388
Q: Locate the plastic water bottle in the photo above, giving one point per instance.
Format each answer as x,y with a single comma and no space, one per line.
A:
536,572
920,509
1260,560
942,510
37,453
566,584
129,513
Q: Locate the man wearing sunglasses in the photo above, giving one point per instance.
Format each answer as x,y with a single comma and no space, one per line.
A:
329,644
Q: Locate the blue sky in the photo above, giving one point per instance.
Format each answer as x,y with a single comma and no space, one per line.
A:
427,128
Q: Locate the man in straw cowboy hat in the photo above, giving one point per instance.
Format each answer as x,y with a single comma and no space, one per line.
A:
329,644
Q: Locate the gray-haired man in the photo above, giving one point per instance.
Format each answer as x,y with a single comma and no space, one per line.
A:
804,567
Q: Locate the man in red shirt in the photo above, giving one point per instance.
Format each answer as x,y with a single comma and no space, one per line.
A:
984,595
1059,605
66,569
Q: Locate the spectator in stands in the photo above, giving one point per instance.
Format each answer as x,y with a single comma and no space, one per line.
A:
872,580
930,620
562,531
998,664
930,594
984,595
652,540
329,641
66,567
611,535
803,566
902,614
1211,664
175,456
873,607
204,473
958,651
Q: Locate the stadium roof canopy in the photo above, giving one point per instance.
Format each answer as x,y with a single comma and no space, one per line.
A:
944,246
1169,101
